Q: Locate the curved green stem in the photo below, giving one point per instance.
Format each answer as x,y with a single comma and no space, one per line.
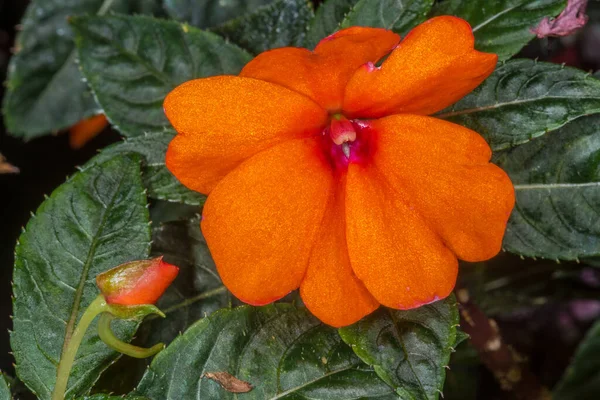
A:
68,356
108,337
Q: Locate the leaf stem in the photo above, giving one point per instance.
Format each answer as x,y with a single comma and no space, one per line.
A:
68,355
108,337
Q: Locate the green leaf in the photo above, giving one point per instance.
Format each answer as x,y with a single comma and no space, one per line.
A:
96,220
327,20
132,62
502,26
208,13
399,15
462,381
557,186
408,349
103,396
281,23
197,291
161,184
4,388
582,378
45,90
283,352
524,99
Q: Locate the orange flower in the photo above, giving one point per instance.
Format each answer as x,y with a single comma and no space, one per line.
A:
136,282
324,173
85,130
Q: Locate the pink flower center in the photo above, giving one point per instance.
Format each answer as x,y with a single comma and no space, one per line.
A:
347,141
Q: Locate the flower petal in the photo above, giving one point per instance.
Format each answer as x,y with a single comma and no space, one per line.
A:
330,289
224,120
444,169
401,261
261,220
322,74
432,68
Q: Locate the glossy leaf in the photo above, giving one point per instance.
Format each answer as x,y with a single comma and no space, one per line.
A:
281,23
197,291
45,91
524,99
4,388
399,15
161,184
582,378
133,62
502,26
327,20
408,349
557,185
283,352
208,13
96,220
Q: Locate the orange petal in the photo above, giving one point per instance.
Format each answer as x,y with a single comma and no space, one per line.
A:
322,74
432,68
330,289
401,261
444,169
85,130
261,220
224,120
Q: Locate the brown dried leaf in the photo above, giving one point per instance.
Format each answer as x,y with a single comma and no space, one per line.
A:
6,168
569,21
229,382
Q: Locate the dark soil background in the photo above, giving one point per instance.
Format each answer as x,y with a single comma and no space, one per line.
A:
548,334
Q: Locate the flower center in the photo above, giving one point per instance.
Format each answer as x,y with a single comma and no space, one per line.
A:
346,141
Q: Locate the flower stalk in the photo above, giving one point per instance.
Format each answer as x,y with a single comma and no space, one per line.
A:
107,336
127,291
68,357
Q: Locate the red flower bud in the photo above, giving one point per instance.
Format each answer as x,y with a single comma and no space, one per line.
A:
136,282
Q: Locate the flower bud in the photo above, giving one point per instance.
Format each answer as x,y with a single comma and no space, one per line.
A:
136,282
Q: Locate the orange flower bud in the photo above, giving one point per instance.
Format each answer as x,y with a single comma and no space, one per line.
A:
137,282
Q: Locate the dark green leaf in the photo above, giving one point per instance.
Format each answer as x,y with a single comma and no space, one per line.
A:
95,221
502,26
4,388
103,396
161,184
164,211
460,337
582,379
509,284
408,349
208,13
524,99
283,352
327,20
462,381
556,180
148,7
45,90
281,23
132,62
399,15
197,291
